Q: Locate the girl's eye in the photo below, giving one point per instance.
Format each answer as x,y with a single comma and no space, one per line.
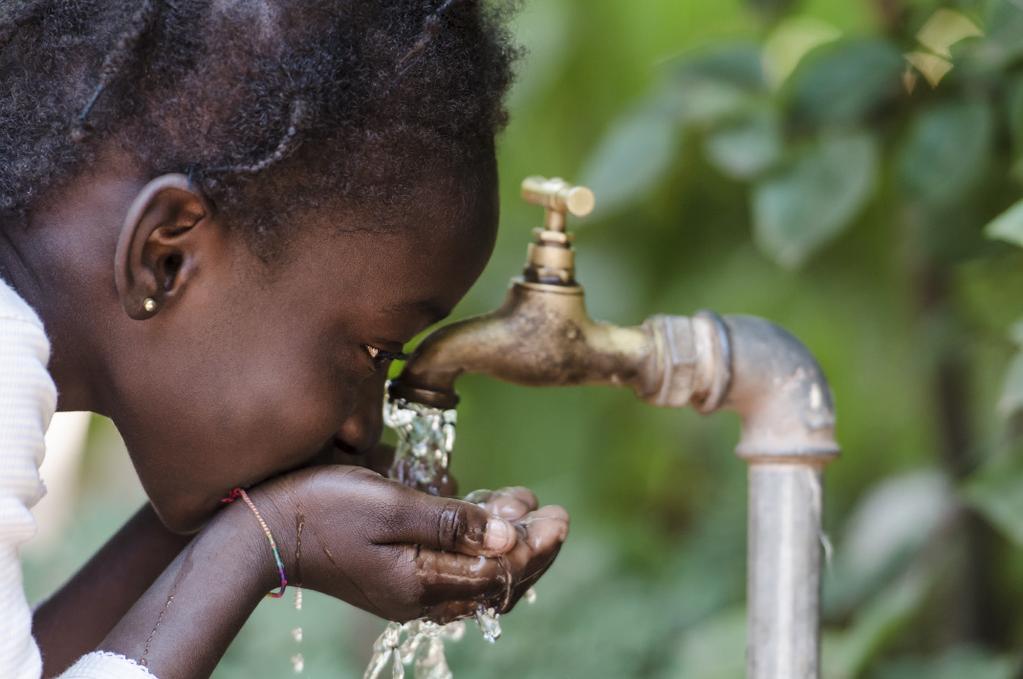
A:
381,357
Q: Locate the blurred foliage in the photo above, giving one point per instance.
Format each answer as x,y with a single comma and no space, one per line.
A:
831,165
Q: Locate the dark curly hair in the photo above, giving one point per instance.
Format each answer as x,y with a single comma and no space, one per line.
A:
316,100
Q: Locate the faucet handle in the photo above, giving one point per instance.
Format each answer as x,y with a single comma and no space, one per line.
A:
550,259
559,196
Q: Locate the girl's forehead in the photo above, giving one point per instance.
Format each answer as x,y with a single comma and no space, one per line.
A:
447,234
423,213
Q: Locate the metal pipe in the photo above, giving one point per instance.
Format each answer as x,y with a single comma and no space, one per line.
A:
788,435
783,571
763,373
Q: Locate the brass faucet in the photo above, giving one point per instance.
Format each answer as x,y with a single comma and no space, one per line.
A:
543,336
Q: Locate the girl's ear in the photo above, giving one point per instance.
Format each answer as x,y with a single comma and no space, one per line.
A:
157,248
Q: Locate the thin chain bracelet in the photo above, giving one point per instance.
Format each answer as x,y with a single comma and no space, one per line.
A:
240,493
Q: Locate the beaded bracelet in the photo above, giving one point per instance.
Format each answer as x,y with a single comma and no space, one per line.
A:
240,493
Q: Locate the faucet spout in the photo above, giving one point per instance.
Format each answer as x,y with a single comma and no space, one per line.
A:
541,336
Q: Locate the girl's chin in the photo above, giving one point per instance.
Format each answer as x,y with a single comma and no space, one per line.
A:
186,516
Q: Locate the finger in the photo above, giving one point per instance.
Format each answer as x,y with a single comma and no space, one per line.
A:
455,585
511,503
541,535
445,577
537,570
523,495
446,524
545,526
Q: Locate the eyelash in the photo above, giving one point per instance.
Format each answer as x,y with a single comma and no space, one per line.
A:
382,357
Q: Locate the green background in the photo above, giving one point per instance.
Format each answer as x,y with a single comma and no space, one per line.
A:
827,198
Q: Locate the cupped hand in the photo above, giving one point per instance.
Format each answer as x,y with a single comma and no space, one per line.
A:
538,528
402,554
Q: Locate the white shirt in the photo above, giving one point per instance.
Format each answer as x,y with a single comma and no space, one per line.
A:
28,398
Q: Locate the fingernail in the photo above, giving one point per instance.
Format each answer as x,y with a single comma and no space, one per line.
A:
500,535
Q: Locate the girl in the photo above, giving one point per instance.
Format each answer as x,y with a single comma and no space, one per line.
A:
229,215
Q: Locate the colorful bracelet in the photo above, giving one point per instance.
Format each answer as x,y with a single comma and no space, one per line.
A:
240,493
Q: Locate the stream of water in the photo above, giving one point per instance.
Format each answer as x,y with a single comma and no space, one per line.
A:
426,437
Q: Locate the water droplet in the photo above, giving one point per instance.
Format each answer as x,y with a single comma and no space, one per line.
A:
490,625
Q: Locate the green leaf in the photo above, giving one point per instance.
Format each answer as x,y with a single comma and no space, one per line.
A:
1004,41
996,490
632,158
808,203
746,147
895,520
944,29
847,653
737,64
706,86
1008,226
947,152
845,82
790,41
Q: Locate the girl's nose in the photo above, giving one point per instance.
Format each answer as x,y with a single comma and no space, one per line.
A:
362,430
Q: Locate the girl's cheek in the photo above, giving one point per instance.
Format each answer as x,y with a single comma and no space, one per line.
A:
312,424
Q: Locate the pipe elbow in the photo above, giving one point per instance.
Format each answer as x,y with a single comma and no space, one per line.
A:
779,391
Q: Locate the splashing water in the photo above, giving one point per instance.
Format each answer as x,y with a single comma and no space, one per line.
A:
426,437
419,643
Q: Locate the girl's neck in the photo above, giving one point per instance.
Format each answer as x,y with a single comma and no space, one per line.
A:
61,264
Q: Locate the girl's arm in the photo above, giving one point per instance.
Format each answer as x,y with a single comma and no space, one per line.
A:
181,626
75,618
79,615
374,543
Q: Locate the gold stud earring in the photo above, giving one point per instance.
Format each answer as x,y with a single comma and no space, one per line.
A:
149,305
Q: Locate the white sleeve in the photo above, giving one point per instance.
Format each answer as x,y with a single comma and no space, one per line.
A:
27,401
104,665
28,398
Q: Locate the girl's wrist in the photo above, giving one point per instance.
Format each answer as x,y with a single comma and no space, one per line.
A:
238,524
217,580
